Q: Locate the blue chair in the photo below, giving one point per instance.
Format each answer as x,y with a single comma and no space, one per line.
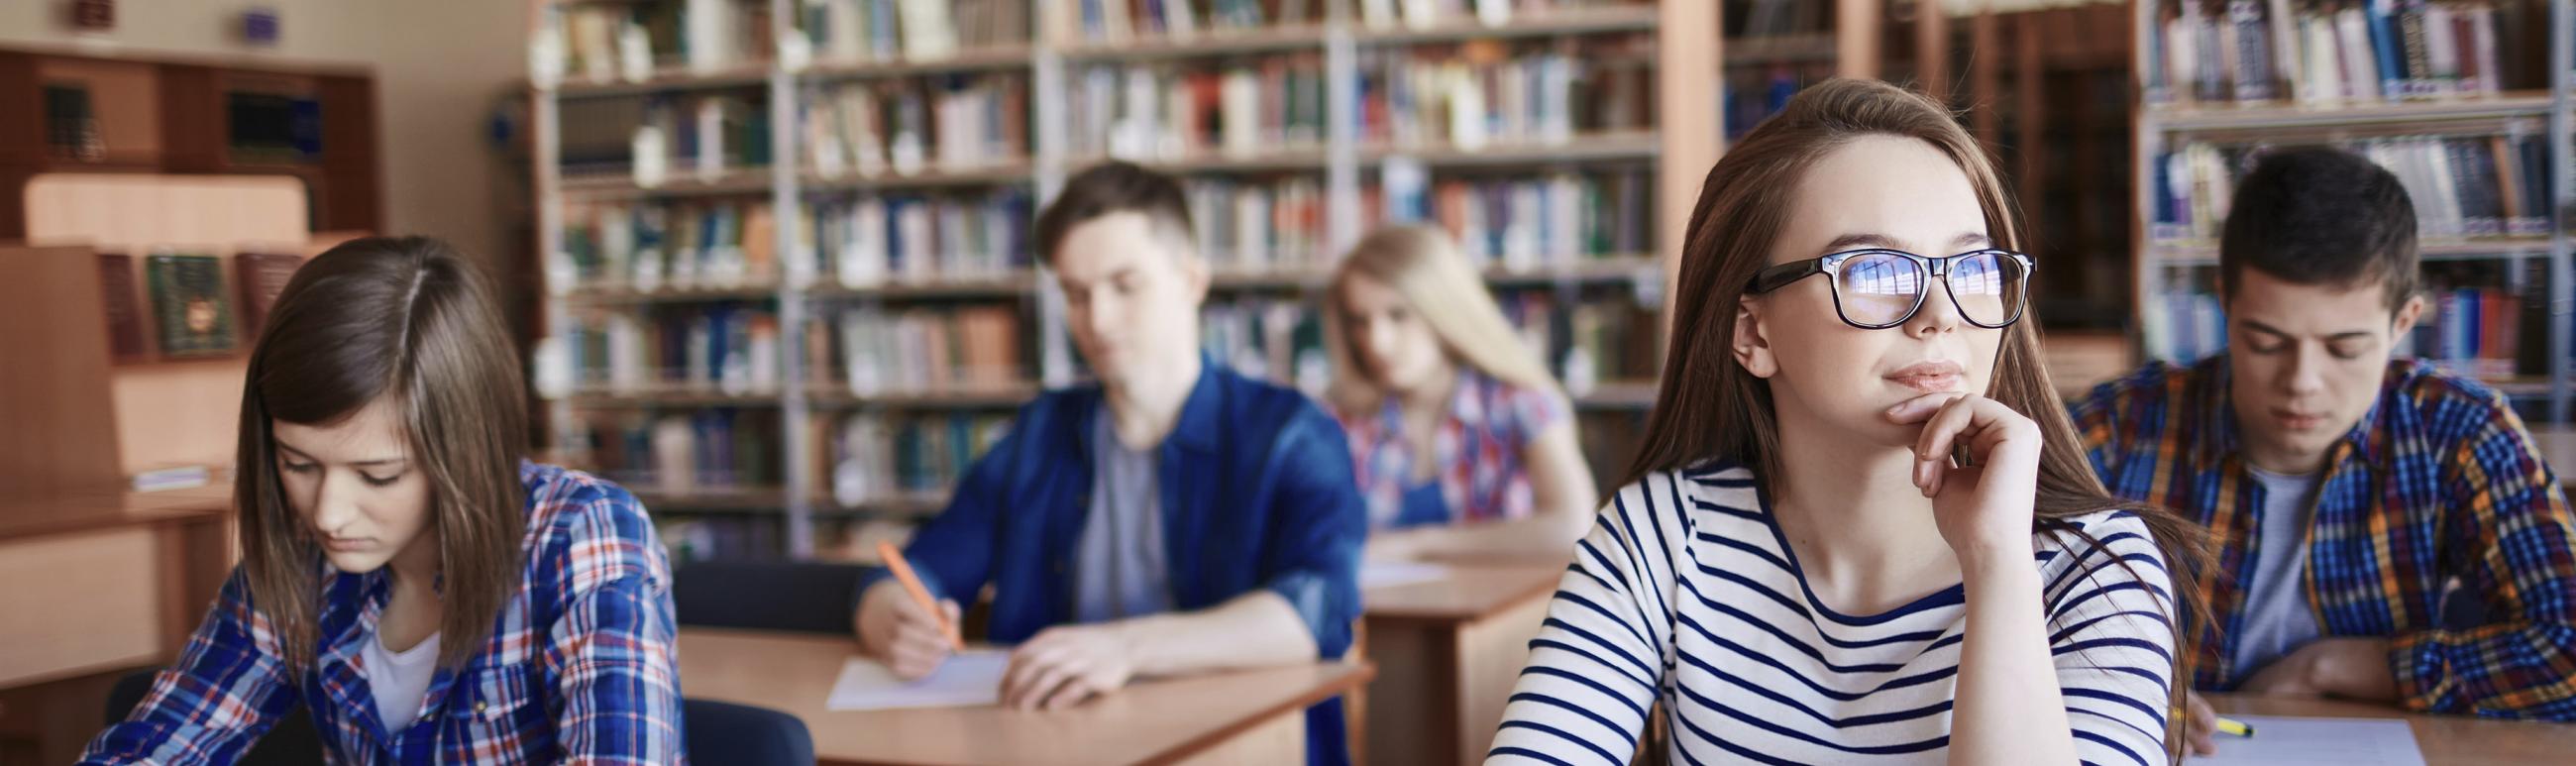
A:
717,732
782,596
726,733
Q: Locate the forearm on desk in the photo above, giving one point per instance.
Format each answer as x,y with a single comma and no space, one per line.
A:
1253,630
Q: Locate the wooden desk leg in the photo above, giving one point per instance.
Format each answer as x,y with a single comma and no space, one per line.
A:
1490,654
1280,740
1413,704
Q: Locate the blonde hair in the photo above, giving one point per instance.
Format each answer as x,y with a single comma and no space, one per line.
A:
1423,265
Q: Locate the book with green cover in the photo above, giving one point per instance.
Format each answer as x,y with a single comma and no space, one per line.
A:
190,308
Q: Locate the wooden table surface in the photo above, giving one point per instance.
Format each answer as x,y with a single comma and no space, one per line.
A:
2445,739
1450,650
1470,591
1150,721
2558,447
63,512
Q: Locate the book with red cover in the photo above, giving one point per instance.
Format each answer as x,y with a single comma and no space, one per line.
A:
123,306
261,276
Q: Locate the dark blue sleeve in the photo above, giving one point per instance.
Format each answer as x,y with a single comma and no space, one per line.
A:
1318,522
953,551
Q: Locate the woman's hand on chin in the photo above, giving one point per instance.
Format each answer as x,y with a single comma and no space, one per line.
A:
1982,500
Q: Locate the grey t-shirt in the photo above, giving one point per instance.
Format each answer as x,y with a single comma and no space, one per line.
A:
1119,571
2277,617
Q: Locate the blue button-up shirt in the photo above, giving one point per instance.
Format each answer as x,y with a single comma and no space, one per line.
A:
1256,495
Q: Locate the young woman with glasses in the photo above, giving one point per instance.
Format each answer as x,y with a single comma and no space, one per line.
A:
1860,526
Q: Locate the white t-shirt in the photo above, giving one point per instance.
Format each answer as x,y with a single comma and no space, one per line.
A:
400,679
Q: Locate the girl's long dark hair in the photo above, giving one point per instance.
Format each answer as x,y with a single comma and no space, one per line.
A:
405,318
1709,408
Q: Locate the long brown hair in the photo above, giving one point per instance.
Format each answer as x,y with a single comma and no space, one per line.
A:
1709,408
1424,265
405,318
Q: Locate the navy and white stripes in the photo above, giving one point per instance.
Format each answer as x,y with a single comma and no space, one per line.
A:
1686,593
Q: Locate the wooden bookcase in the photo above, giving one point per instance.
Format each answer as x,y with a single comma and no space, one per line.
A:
1677,152
175,115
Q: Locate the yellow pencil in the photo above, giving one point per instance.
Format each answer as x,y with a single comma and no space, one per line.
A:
2236,727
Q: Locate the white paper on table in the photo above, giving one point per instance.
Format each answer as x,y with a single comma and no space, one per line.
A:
2287,741
1388,574
968,679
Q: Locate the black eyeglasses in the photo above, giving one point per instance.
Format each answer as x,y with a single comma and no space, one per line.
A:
1877,288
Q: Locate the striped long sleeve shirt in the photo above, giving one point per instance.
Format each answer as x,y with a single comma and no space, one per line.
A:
1686,593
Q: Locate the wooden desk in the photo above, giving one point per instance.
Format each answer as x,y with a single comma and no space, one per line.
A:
121,578
2445,740
95,584
1449,651
2558,448
1255,716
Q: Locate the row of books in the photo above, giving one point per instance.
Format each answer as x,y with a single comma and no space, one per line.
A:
1522,223
854,31
1168,111
1118,21
677,244
1601,337
693,539
727,347
1776,18
866,240
184,308
2475,319
2476,332
2461,186
1751,96
2324,52
1585,340
920,350
1382,14
1482,92
701,453
609,43
1258,225
1277,339
714,134
873,455
71,126
904,126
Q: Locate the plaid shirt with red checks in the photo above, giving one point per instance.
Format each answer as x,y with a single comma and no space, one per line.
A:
581,666
2439,481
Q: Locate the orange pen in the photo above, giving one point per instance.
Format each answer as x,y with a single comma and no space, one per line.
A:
920,595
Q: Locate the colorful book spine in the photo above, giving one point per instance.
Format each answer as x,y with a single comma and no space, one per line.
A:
2323,52
1182,110
1489,92
2462,186
190,307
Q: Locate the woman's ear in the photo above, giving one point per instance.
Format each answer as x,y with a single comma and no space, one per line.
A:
1752,348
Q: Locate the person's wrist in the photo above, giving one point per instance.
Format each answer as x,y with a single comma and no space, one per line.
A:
2353,667
1128,637
1986,559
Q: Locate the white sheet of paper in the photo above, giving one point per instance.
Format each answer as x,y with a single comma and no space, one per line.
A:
1388,574
2283,741
968,679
